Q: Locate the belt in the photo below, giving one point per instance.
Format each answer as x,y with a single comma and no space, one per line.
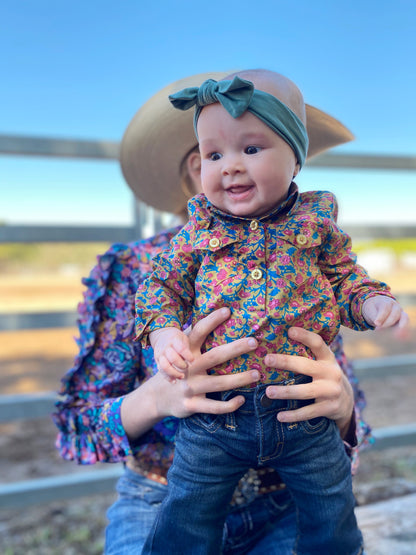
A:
260,481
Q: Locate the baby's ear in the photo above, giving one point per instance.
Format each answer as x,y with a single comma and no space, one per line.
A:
193,164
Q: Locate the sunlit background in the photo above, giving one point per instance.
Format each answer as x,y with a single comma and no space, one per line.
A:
82,69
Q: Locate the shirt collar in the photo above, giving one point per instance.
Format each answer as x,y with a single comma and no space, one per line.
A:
285,207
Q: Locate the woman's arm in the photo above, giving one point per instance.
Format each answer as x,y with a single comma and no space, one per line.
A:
157,398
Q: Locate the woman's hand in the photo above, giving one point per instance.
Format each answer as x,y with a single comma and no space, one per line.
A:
157,398
329,387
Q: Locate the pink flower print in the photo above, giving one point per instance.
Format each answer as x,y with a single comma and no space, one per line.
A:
329,315
256,366
261,352
299,278
256,327
220,330
222,274
187,247
161,320
280,283
228,369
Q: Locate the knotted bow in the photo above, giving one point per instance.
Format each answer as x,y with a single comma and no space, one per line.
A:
238,96
235,96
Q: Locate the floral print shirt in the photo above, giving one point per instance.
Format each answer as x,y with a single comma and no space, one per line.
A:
110,364
293,266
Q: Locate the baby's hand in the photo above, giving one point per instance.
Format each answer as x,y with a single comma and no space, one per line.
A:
383,312
172,352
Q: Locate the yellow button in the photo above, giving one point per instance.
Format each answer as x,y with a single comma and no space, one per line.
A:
254,224
214,242
256,274
301,239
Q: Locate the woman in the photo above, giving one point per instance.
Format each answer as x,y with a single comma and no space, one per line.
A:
117,409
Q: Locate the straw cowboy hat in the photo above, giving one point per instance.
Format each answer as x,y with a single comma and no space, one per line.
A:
159,137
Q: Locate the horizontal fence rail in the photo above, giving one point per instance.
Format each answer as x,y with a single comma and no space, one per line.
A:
40,405
78,484
124,234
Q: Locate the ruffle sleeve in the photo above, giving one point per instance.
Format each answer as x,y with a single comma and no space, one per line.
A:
109,364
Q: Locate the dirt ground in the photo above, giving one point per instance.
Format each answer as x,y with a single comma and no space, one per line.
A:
34,360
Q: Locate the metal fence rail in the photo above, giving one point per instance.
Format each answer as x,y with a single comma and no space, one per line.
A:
21,407
73,485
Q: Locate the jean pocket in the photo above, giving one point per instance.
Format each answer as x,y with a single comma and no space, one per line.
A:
316,425
208,422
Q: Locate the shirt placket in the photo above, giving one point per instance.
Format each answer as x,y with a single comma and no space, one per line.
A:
257,274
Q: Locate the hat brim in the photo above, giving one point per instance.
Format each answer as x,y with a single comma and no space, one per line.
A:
159,137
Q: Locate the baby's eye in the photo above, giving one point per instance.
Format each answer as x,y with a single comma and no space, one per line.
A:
214,156
252,149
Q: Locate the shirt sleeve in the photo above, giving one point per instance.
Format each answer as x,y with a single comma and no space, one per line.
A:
166,297
109,364
350,282
359,435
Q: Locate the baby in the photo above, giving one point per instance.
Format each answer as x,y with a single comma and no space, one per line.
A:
276,258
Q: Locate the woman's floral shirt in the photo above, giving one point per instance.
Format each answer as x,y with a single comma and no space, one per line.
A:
293,266
110,364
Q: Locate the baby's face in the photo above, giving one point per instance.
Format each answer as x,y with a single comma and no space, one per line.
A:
246,168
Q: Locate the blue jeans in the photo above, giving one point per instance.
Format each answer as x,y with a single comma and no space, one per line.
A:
213,452
265,526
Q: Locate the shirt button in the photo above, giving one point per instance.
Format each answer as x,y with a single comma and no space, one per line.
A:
256,274
301,239
214,242
254,224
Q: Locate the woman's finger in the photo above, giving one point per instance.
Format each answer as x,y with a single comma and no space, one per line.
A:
204,327
315,410
223,353
211,406
300,392
312,340
212,384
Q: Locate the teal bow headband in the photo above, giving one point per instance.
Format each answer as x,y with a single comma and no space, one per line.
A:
238,96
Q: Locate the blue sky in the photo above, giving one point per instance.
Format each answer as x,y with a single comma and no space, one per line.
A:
82,69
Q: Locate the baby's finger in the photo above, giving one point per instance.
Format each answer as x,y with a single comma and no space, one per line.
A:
183,349
175,359
391,318
165,366
402,329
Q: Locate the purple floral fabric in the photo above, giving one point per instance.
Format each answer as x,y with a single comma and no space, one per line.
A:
110,364
291,267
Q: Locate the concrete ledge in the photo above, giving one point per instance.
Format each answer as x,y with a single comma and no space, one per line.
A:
389,527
